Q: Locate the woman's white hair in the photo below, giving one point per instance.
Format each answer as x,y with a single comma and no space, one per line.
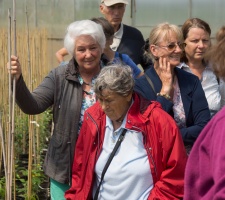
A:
83,27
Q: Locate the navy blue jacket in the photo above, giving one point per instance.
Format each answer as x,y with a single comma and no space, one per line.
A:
132,44
194,101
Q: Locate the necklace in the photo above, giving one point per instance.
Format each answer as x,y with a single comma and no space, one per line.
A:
81,80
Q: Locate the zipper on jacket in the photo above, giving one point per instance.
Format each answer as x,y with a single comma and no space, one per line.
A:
70,169
148,149
98,135
149,152
61,95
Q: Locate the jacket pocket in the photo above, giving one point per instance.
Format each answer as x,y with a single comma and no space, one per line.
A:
55,146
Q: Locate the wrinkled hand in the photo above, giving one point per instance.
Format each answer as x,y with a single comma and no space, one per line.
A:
165,74
15,67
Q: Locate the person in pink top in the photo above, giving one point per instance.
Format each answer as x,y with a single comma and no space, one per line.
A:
204,175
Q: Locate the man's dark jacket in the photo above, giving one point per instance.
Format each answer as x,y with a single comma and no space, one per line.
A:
132,44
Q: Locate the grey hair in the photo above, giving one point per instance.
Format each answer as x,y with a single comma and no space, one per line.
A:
115,77
83,27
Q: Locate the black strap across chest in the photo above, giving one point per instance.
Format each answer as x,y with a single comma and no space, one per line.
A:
122,135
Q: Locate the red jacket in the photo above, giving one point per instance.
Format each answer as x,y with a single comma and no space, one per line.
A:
162,141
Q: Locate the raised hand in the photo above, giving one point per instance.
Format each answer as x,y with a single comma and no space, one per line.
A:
165,74
15,67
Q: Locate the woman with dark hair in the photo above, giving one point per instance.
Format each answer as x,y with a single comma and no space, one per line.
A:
196,33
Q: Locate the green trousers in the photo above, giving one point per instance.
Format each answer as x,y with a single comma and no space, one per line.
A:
57,190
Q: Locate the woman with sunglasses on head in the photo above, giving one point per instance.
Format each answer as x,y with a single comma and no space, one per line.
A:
196,33
179,92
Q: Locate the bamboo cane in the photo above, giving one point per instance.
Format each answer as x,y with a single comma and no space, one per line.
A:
3,150
13,100
12,113
8,184
38,53
29,184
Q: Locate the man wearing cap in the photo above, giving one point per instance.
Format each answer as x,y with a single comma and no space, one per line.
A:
127,40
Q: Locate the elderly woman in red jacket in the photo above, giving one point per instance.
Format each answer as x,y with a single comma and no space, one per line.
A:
150,160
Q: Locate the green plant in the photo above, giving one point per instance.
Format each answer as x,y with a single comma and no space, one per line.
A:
21,134
2,187
42,130
21,181
37,178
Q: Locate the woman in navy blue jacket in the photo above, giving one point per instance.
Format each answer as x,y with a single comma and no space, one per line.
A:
180,93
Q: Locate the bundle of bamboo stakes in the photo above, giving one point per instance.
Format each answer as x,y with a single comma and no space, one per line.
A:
34,68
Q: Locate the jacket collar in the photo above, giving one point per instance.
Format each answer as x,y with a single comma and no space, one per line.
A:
72,70
183,79
138,113
141,110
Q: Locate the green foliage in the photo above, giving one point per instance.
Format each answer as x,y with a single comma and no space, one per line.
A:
21,181
43,127
2,187
21,131
41,132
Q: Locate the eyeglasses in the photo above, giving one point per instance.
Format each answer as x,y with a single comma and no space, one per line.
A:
172,46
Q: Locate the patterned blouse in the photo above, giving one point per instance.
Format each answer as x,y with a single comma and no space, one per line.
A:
89,98
178,107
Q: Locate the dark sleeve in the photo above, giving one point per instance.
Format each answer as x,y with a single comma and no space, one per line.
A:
37,101
199,117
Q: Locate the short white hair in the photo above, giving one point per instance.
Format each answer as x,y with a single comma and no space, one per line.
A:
83,27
